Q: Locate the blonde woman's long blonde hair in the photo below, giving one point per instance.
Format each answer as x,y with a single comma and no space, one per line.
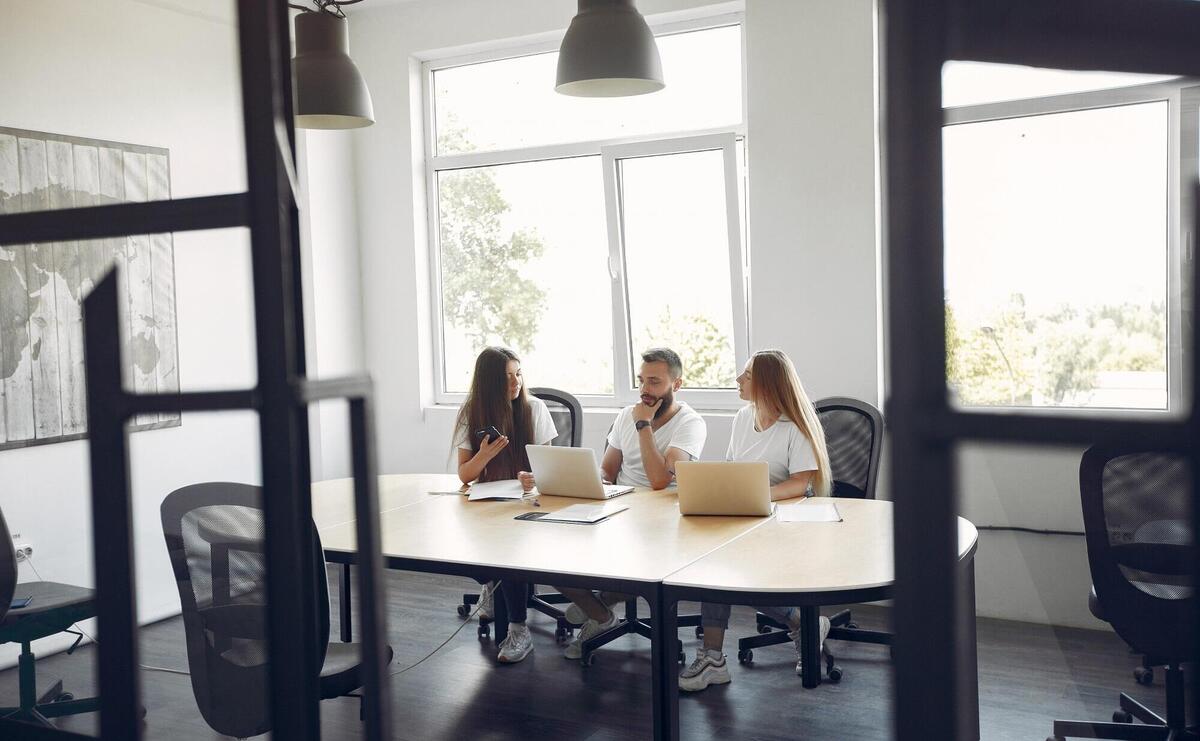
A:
776,389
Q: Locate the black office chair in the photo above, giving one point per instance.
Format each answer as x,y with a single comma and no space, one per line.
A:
1143,674
567,414
54,608
854,439
1142,556
214,536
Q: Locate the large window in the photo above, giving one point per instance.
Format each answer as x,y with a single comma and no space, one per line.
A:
580,231
1062,229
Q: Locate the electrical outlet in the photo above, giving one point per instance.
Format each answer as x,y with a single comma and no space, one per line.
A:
23,551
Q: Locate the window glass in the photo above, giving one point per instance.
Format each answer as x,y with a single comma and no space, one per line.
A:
1056,258
677,250
511,103
524,263
970,83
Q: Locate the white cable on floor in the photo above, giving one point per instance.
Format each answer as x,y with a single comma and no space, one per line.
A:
442,644
29,560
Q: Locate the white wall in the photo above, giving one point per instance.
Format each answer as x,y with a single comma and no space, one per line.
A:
144,73
333,302
812,224
388,44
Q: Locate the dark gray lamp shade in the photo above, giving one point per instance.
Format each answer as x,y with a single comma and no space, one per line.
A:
330,91
608,51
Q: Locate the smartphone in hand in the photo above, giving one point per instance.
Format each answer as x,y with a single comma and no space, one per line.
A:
488,434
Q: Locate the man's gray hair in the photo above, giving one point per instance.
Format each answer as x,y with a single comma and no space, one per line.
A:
665,355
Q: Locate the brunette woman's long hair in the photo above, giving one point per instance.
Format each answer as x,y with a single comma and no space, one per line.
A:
488,404
777,390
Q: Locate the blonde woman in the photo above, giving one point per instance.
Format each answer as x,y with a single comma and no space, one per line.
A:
779,426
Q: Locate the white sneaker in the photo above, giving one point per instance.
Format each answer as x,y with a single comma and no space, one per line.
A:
486,610
517,645
708,668
797,639
575,614
574,649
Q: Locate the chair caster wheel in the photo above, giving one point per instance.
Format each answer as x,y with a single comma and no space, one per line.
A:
562,634
64,697
764,629
484,631
588,659
834,673
699,631
852,626
746,656
1143,675
463,611
1120,716
680,656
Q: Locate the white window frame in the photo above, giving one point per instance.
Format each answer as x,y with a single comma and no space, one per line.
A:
660,143
1183,120
627,360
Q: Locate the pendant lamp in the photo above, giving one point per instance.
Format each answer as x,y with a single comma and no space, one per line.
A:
608,51
330,91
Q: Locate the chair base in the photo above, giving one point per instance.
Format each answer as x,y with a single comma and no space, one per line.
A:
634,624
1122,727
51,702
542,603
772,633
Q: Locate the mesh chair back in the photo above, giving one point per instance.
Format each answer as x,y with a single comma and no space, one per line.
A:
854,438
566,413
1141,548
214,537
8,568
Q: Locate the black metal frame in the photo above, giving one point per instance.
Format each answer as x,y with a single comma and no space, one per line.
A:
918,36
281,397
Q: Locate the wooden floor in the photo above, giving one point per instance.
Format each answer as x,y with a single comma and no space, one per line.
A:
1028,675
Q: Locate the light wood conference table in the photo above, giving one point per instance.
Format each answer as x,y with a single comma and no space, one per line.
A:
807,565
649,550
333,505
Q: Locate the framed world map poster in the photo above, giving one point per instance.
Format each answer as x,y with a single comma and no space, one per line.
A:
42,285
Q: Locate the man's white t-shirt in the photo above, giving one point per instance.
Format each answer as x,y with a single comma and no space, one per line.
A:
544,430
782,445
685,431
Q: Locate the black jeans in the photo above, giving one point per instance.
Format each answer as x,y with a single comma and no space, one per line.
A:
516,599
515,596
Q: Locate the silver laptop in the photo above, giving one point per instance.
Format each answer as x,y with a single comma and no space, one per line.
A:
724,488
570,472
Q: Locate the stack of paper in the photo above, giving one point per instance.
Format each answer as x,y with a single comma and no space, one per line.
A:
510,489
584,512
811,510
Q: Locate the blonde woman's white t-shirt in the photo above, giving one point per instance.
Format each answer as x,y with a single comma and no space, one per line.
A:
783,446
544,430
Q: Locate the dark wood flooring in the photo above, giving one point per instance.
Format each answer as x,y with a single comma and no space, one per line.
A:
1028,675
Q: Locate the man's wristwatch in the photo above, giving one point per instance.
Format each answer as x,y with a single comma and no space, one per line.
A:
641,424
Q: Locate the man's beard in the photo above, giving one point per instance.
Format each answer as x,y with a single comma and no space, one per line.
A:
668,400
